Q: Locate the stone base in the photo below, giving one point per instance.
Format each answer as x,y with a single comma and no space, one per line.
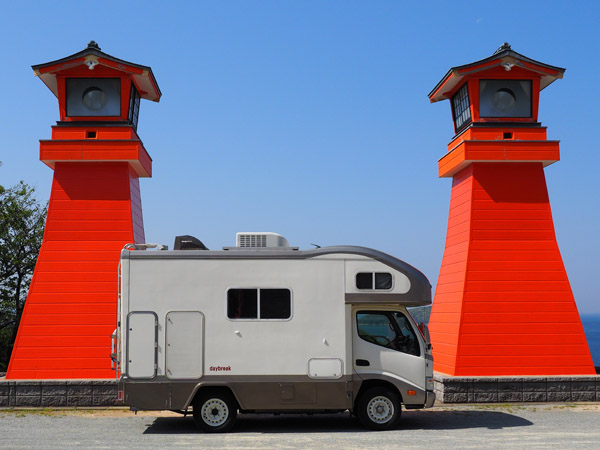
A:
50,393
449,389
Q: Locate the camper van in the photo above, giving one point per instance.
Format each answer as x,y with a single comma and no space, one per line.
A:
263,327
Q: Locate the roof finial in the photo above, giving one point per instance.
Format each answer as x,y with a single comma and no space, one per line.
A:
93,44
504,47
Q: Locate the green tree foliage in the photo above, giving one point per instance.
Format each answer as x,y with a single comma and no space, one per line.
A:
21,230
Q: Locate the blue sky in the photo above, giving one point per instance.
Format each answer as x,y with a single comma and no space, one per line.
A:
311,118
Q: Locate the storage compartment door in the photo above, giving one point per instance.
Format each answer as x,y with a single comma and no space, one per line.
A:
325,368
142,332
184,344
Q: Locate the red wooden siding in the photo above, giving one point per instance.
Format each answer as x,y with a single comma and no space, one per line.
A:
70,312
503,304
447,311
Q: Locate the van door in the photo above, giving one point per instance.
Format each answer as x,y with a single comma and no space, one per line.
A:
142,337
386,342
184,344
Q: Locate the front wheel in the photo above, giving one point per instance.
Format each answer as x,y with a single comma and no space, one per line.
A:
378,408
215,412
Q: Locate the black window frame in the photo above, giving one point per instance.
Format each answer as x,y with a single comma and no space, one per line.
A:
260,309
134,106
461,99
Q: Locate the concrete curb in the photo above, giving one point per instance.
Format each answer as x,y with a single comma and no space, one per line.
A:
552,389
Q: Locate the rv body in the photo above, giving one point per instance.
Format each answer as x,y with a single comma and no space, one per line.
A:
272,329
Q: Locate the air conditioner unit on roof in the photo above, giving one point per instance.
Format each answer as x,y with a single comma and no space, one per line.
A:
260,240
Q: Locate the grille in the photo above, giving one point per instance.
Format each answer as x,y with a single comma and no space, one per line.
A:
253,240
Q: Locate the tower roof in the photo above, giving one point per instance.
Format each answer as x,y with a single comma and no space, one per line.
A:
92,56
504,57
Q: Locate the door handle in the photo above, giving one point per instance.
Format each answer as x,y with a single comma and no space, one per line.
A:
362,362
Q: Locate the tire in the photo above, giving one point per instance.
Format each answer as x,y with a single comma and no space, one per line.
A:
215,411
378,408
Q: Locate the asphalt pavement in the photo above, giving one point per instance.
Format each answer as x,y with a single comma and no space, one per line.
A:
468,426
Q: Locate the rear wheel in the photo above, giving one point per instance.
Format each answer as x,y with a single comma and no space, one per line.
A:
215,411
378,408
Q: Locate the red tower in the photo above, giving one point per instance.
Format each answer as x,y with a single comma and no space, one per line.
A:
94,210
503,304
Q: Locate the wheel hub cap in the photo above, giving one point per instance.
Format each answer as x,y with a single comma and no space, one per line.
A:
214,412
380,409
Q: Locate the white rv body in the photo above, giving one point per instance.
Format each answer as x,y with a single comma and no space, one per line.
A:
182,332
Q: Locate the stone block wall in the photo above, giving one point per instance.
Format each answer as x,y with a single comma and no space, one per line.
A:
50,393
97,393
516,389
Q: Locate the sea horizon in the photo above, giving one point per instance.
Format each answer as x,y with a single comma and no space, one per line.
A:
590,322
591,327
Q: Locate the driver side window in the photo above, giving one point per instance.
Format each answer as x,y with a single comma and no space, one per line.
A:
389,329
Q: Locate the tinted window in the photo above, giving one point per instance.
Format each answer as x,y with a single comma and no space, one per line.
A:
377,280
242,304
259,304
389,329
375,328
275,304
383,281
364,280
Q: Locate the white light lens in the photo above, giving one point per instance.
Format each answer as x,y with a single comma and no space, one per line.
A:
504,100
94,98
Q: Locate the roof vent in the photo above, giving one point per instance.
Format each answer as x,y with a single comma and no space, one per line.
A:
188,242
260,240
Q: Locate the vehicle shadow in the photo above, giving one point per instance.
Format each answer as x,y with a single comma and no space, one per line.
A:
343,423
459,420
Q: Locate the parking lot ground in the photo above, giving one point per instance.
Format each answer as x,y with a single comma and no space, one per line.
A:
461,426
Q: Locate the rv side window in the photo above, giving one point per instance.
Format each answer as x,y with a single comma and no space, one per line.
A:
259,304
374,280
242,303
390,329
275,304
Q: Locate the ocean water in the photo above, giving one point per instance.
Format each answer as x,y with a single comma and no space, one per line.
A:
591,326
590,322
